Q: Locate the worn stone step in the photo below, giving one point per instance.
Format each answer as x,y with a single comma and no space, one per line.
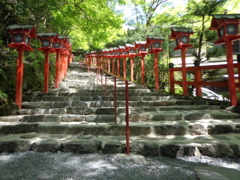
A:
68,118
89,125
213,146
78,111
140,110
83,110
67,104
182,115
101,91
109,97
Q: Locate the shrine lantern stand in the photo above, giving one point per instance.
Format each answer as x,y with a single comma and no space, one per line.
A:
21,36
114,57
47,40
228,28
124,53
154,43
182,37
142,51
58,46
132,53
118,56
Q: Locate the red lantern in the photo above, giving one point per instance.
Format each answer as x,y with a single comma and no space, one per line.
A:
21,36
47,40
142,47
154,43
131,49
182,37
142,51
227,26
124,51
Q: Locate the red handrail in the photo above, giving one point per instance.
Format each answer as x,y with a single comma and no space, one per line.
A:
198,83
115,104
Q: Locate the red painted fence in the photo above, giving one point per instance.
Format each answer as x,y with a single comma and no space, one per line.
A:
197,82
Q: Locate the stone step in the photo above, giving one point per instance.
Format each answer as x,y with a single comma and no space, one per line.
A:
90,90
90,126
177,146
75,97
65,118
134,116
120,110
189,115
67,104
62,111
110,93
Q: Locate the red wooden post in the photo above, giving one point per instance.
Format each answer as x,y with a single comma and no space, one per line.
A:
230,68
61,62
118,67
132,68
21,35
198,79
155,48
228,29
142,51
156,70
131,53
57,69
19,77
182,37
113,65
66,64
124,68
47,40
108,63
142,70
46,71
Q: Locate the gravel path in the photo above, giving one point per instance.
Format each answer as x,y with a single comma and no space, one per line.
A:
67,166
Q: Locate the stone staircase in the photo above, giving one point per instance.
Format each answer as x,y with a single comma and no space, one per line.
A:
79,117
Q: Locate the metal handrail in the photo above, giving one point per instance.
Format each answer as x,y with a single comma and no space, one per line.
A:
115,103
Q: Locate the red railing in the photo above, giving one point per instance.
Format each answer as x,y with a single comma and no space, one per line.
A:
197,82
102,71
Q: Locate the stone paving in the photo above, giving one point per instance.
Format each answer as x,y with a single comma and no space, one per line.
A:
79,117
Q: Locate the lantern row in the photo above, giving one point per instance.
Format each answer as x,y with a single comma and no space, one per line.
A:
228,30
50,43
22,34
152,45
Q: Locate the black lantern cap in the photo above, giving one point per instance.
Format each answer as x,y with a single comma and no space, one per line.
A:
62,37
122,47
154,37
30,28
21,27
140,42
227,26
47,35
130,46
182,29
214,23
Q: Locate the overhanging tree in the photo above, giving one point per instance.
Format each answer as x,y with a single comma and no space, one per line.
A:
199,13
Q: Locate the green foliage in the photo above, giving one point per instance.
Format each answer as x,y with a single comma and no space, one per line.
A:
3,98
200,11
